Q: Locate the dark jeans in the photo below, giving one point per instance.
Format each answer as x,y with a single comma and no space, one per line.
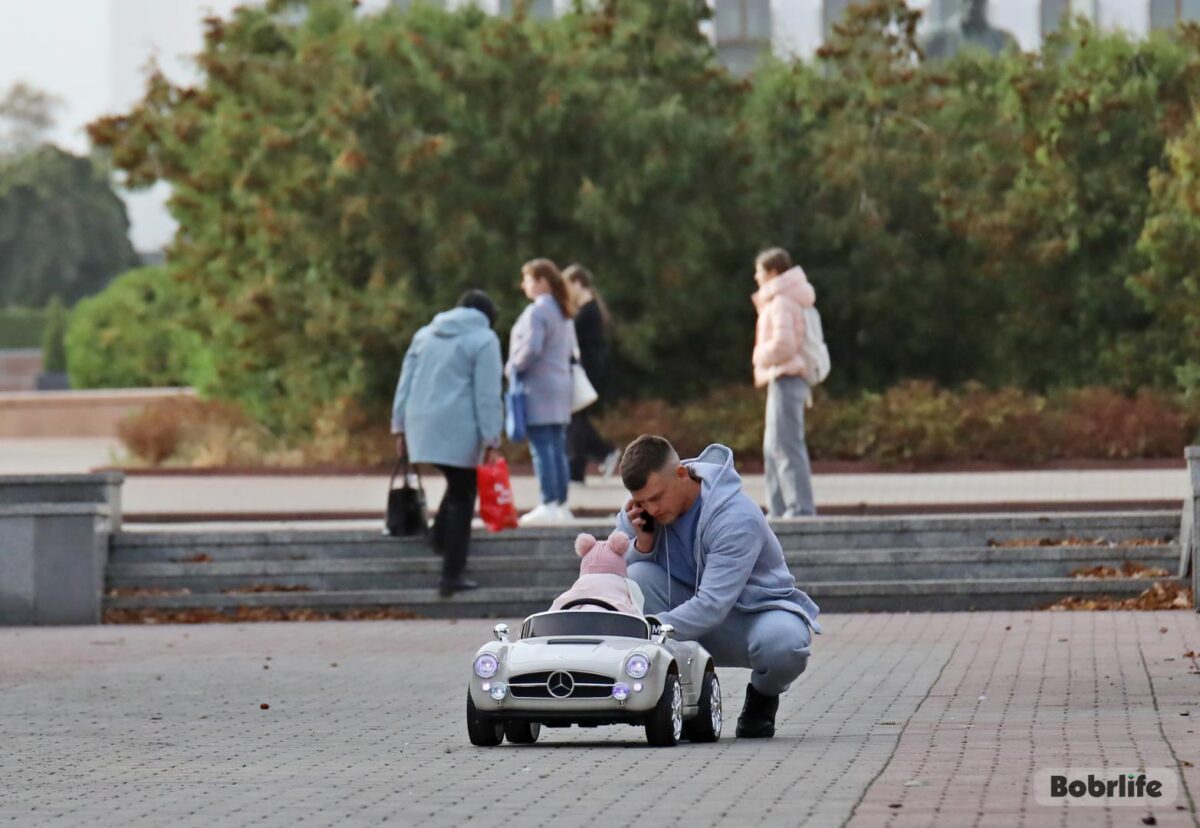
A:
584,443
452,524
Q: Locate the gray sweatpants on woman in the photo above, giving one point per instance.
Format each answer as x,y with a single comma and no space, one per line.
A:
785,453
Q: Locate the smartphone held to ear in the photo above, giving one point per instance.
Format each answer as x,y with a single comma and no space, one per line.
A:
647,522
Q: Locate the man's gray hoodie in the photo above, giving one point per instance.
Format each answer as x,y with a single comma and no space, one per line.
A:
739,562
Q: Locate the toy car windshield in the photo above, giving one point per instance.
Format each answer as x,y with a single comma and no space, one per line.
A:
585,623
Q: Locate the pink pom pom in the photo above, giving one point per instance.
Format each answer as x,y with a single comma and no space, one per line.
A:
583,544
618,542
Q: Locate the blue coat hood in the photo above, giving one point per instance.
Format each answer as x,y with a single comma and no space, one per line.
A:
458,321
448,403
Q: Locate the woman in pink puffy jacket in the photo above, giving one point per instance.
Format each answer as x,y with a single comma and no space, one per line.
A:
783,294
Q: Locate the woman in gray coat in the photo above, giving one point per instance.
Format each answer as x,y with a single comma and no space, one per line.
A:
447,412
539,360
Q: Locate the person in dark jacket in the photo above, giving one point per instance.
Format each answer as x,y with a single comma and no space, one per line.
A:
592,323
447,412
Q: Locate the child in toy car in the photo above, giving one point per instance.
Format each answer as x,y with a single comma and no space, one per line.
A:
602,581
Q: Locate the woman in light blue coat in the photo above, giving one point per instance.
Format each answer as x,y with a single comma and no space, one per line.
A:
539,361
447,412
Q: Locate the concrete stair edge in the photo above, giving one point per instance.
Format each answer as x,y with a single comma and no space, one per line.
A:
1089,522
542,596
798,560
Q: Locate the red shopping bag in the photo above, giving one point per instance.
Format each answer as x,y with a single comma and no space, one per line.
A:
496,507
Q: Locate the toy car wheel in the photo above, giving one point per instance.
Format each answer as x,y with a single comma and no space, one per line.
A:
664,725
521,733
482,731
706,726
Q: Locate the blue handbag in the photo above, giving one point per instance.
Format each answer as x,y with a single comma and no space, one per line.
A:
515,425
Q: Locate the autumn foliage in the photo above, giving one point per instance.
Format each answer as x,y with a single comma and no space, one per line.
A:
1026,221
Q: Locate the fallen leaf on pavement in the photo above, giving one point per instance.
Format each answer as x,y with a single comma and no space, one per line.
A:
1157,597
238,615
1129,569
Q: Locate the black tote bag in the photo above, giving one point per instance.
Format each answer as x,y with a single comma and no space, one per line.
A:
406,505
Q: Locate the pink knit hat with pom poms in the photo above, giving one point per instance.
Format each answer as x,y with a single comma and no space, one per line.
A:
602,557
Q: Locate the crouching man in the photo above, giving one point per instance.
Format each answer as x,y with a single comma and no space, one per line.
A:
709,565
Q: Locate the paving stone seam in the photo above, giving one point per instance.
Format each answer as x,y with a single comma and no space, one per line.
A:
1166,740
899,736
1003,716
928,620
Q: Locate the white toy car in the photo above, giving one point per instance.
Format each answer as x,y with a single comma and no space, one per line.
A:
592,668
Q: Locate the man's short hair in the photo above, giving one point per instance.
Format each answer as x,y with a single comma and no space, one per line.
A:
644,455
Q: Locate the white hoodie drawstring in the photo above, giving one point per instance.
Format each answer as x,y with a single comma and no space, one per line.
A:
667,550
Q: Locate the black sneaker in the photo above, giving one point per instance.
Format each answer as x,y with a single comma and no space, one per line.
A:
758,715
452,585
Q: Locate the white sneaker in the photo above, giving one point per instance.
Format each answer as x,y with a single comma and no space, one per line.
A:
541,514
564,513
609,466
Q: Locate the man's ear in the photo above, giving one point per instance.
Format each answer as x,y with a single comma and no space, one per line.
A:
681,471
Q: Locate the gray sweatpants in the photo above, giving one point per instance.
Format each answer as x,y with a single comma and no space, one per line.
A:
785,453
774,643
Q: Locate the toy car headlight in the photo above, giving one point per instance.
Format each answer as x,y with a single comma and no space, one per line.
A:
486,665
637,665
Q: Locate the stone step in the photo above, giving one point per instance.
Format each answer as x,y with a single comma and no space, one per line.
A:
833,596
832,533
810,567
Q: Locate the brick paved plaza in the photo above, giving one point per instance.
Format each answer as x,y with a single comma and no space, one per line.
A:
902,720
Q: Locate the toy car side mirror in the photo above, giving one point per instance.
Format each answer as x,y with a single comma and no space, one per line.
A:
501,632
664,632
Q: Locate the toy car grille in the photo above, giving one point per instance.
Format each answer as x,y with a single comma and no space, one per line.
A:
537,686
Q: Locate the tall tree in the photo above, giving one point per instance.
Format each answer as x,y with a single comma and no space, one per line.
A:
339,179
26,117
63,230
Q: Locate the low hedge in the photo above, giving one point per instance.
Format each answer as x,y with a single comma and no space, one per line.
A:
21,327
910,425
130,336
918,423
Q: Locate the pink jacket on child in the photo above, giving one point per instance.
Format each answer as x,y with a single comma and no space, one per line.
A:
779,334
602,575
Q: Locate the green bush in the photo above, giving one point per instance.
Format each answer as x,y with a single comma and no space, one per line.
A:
21,327
130,336
840,428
